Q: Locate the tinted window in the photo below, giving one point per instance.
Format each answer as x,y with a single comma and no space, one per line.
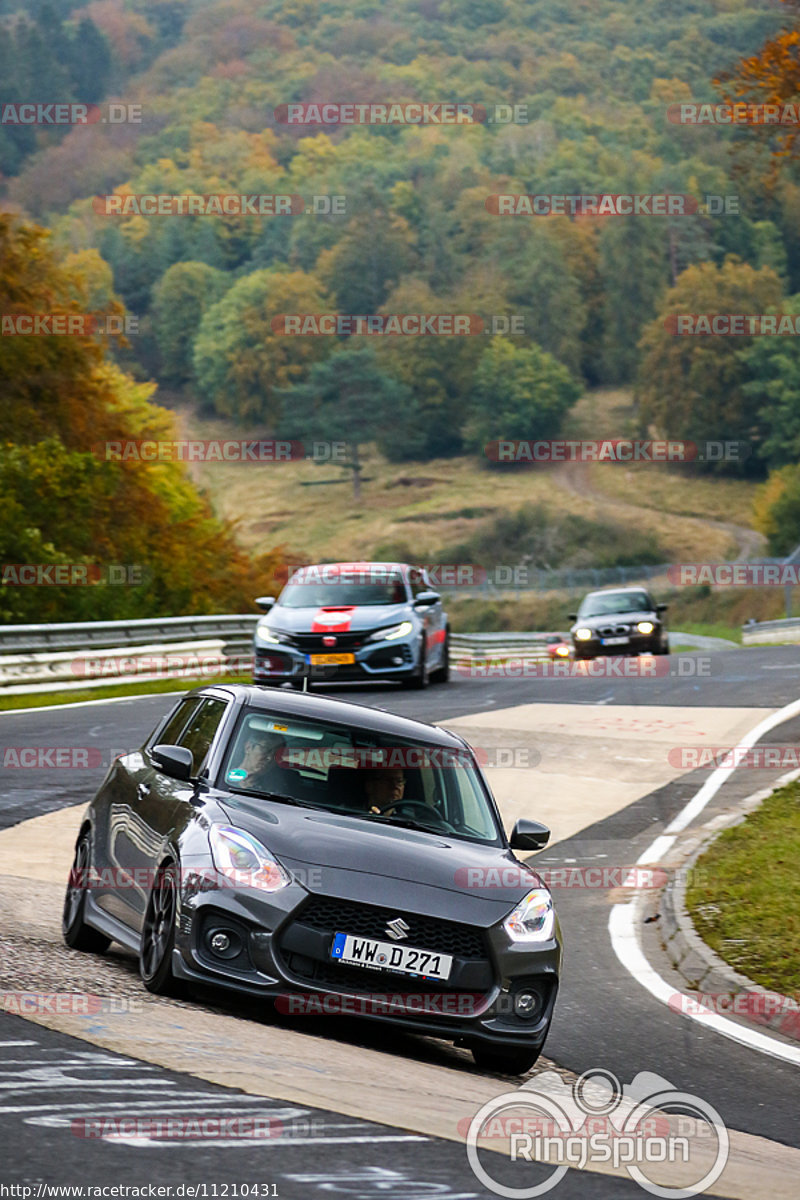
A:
358,773
199,734
337,595
615,602
170,734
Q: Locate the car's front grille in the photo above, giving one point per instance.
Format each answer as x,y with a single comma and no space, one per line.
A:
329,915
312,643
613,630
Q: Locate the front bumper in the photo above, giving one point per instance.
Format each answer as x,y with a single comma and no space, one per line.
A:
280,957
278,663
637,643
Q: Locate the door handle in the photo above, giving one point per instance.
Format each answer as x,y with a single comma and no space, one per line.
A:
143,791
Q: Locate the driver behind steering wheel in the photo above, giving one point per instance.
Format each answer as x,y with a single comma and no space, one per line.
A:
383,788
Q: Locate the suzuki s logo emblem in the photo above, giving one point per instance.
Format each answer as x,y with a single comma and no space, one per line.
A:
397,929
329,641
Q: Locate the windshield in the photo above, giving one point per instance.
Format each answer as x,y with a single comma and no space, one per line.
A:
615,602
344,594
360,774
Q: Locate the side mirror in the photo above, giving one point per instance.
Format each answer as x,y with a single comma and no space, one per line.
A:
175,761
265,603
662,607
529,835
426,599
572,616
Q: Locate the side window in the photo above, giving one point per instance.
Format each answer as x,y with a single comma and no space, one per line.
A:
170,734
199,734
418,582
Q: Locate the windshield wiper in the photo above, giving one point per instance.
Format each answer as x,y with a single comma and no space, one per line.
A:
279,796
410,823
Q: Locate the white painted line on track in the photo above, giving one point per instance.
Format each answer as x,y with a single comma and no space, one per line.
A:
623,918
655,852
12,712
624,939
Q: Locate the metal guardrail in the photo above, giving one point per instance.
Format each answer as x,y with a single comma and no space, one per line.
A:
38,658
35,658
86,635
762,633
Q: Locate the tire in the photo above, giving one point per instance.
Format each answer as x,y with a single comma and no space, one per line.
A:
420,679
158,934
505,1060
76,933
442,674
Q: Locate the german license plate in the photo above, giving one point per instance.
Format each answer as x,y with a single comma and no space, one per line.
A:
331,660
386,956
620,641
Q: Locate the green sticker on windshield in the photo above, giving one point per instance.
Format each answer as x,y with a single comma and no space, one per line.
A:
237,775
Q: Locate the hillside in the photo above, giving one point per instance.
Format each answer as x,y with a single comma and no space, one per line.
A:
447,510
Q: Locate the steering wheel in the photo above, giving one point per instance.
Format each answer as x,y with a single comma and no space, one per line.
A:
399,805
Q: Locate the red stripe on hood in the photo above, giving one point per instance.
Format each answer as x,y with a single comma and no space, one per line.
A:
333,620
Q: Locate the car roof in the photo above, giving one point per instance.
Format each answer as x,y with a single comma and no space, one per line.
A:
342,712
618,591
352,566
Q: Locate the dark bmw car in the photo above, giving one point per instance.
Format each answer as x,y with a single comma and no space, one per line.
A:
353,621
328,857
622,621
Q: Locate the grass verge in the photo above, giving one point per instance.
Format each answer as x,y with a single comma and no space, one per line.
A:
145,687
745,902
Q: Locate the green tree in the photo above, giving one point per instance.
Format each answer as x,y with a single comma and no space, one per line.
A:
773,364
180,298
693,387
349,399
634,271
520,392
777,510
241,356
66,494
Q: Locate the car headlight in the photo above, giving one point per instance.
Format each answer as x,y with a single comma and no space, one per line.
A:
243,860
268,634
395,631
533,920
562,651
645,627
583,634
